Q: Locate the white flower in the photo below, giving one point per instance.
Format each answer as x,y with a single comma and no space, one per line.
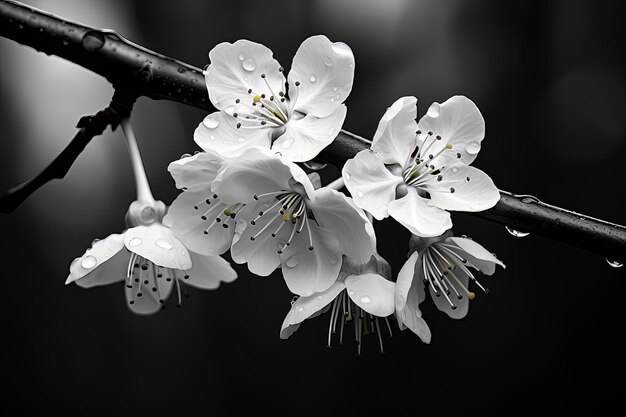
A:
286,221
257,107
442,264
198,217
415,172
361,295
151,261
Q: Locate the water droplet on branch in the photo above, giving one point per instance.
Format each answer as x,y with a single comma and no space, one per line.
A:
516,233
614,264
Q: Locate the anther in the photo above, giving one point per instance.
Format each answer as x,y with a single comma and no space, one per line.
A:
225,226
235,115
468,178
237,101
452,189
238,125
297,83
262,75
249,90
438,137
458,155
439,177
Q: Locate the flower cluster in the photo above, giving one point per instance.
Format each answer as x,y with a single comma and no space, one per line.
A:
245,193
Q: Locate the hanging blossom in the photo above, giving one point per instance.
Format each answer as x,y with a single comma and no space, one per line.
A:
414,172
443,265
198,217
147,256
287,222
257,107
363,296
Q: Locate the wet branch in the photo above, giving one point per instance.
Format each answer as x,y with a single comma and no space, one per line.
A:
131,68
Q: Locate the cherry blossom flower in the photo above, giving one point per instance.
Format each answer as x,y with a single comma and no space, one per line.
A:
258,108
414,172
287,222
443,265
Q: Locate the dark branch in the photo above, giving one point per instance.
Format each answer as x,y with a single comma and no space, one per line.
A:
129,66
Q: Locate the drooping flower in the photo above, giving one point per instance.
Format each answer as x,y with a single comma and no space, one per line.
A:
415,172
258,108
198,217
443,265
287,222
362,295
150,260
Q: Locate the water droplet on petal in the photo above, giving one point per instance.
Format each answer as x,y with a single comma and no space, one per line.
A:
328,61
312,78
291,262
516,233
286,144
455,170
360,194
249,64
242,57
347,175
164,243
241,140
332,99
335,89
134,242
472,148
88,262
210,122
614,264
301,309
366,299
309,292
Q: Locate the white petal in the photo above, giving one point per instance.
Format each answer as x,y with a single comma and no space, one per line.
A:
340,215
147,291
305,307
198,170
207,272
186,217
309,271
316,180
236,68
476,194
414,213
306,137
92,269
258,172
476,255
405,280
218,133
324,72
370,183
395,137
373,293
462,304
410,315
458,122
158,244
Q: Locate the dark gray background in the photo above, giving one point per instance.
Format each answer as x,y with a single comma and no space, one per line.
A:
549,80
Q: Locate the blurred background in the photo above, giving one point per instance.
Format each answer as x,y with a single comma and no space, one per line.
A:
549,78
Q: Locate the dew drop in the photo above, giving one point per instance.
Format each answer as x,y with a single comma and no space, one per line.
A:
286,144
88,262
291,262
164,244
366,299
332,99
360,194
347,175
210,122
309,292
93,41
614,264
328,61
241,140
335,89
301,309
242,57
249,64
472,148
134,242
516,233
312,78
455,170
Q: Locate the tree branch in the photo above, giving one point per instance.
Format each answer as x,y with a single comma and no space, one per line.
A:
130,67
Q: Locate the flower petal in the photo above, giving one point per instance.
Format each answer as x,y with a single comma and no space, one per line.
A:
158,244
370,183
236,68
258,172
198,170
350,226
147,291
218,133
410,315
306,307
306,137
473,189
476,255
307,271
192,218
321,76
422,219
458,122
92,269
405,280
395,139
207,272
372,293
